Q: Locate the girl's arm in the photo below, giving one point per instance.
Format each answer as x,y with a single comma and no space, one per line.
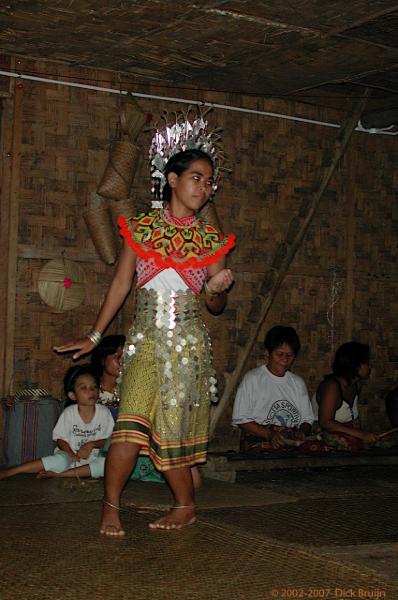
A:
85,450
118,290
329,401
219,280
64,446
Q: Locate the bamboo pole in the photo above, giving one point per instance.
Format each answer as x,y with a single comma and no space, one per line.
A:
10,209
350,248
231,379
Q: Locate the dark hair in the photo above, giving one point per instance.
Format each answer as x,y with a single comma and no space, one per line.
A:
348,358
179,163
392,406
108,345
76,371
279,335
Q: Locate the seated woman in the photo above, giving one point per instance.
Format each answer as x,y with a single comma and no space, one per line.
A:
107,355
337,399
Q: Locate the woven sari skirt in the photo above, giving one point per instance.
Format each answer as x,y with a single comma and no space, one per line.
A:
167,380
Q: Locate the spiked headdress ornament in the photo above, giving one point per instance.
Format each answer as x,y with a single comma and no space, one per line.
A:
183,132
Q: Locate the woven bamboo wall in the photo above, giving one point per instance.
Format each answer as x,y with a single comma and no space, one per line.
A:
63,135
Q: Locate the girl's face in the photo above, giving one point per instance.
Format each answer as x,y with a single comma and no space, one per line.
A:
364,371
191,190
85,391
112,363
280,360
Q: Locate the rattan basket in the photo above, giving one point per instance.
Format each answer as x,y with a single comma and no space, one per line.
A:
132,118
125,207
102,232
62,284
123,163
210,213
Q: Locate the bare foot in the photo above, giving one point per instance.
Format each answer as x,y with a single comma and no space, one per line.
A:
110,521
176,518
46,474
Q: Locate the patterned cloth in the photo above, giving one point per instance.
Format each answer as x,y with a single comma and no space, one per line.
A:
167,380
187,245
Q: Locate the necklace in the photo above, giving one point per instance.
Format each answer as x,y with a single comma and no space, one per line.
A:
113,401
190,221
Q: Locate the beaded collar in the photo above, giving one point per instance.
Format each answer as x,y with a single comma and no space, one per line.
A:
185,243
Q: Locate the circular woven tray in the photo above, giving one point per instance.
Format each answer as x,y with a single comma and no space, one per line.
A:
62,284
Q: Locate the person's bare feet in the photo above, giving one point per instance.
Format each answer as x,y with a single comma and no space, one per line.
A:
110,520
46,474
176,518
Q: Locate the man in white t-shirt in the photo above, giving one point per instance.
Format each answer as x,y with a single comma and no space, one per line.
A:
271,395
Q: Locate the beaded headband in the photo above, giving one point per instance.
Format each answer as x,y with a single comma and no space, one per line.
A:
182,134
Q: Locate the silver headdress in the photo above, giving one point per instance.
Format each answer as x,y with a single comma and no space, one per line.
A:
182,134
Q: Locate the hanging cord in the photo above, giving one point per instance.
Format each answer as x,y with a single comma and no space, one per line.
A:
335,288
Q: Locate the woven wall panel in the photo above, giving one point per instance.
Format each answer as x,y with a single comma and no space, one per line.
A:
276,165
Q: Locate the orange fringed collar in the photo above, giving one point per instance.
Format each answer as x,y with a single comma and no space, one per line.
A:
173,243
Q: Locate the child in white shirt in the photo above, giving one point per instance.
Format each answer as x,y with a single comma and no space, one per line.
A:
80,432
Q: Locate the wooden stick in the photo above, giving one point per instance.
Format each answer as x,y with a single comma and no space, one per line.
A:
231,379
386,433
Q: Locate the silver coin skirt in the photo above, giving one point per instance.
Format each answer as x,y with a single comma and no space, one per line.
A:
167,380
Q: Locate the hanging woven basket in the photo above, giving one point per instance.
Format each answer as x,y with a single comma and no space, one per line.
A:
62,284
210,213
125,208
123,163
102,232
132,118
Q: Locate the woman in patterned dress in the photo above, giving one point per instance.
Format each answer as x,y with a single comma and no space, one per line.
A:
167,381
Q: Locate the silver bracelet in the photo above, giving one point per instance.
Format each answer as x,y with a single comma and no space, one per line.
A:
210,291
95,336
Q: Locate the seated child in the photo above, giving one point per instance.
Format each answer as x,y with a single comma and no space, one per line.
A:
80,432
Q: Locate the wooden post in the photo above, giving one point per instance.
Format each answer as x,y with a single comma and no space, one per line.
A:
9,233
350,246
278,275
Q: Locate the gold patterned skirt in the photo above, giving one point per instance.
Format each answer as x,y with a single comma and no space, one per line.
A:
167,381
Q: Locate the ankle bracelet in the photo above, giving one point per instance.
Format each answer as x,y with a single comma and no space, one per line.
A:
111,505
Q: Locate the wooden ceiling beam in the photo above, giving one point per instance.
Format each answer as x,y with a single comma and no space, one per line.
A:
347,79
368,19
287,27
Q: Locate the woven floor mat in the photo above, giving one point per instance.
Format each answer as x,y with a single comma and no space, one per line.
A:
54,552
326,483
319,522
26,490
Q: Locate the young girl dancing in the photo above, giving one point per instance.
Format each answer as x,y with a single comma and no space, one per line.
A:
167,379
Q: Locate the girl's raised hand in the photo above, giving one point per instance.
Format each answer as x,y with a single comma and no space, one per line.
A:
83,345
221,281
